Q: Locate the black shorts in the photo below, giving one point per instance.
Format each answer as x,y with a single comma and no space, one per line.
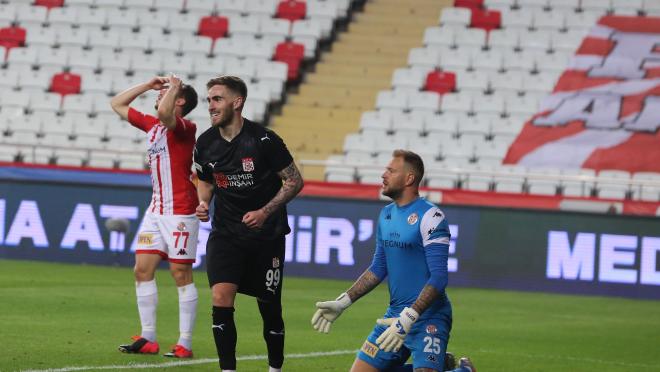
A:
256,266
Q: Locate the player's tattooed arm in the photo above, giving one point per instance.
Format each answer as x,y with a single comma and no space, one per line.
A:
365,283
292,185
425,298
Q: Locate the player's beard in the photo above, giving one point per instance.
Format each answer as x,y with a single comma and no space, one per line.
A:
224,120
392,192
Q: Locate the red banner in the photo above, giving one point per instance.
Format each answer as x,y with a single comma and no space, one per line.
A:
604,112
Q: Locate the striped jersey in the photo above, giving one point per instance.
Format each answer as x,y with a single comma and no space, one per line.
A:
169,154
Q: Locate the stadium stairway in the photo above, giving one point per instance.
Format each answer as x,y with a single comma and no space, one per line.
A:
315,121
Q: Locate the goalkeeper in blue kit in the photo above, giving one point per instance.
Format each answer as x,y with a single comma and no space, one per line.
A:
412,247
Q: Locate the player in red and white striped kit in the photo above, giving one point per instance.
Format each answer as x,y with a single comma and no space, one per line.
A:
169,230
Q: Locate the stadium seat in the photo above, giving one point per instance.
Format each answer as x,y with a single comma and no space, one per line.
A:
487,60
265,8
460,102
424,101
424,57
470,4
504,38
98,17
42,36
440,81
471,37
601,5
307,28
248,25
552,20
455,16
405,78
8,79
272,71
49,4
27,15
486,19
73,37
521,18
292,54
475,80
44,102
275,27
213,27
52,57
65,83
12,37
183,23
291,9
521,61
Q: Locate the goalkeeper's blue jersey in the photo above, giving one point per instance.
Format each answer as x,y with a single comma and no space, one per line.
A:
403,233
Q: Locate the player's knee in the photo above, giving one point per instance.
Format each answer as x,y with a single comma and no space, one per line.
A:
143,273
222,298
182,275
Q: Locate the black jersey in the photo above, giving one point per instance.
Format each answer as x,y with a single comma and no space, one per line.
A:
244,174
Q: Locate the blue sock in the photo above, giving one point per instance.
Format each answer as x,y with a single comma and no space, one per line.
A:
403,368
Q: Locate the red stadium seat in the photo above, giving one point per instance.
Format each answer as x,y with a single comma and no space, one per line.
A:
213,26
292,54
289,50
440,81
486,19
49,3
11,37
291,10
65,83
471,4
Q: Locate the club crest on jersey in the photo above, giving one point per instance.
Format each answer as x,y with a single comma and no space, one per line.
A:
221,180
412,219
276,262
431,329
248,165
181,226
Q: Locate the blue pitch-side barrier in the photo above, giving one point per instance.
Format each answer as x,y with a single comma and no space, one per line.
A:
58,215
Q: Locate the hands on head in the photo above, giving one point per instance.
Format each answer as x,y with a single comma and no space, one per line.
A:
165,82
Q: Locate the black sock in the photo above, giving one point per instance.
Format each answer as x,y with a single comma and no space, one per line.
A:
271,313
224,333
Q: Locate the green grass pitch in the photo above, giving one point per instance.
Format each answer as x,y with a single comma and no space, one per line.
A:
65,317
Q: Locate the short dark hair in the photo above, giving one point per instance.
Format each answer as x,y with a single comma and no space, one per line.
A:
414,161
188,93
233,83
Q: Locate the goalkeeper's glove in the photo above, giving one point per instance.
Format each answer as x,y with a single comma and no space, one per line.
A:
328,311
397,329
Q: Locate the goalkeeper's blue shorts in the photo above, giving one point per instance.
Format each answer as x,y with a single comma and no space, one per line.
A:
426,342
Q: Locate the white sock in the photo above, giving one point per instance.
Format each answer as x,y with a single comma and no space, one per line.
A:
147,301
187,313
272,369
228,370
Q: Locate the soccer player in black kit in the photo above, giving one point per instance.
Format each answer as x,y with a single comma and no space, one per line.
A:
252,175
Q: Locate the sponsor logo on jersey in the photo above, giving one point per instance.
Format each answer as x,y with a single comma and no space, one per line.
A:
156,150
233,180
412,219
276,262
181,252
248,164
369,349
431,329
395,244
181,226
145,238
431,358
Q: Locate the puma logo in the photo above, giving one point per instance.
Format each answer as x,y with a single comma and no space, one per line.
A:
219,326
212,164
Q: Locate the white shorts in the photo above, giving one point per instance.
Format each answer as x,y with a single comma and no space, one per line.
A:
174,238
